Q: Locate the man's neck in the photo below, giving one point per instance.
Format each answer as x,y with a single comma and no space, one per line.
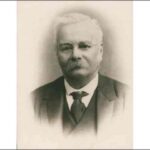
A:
78,83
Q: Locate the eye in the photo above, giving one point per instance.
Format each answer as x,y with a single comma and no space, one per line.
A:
65,47
83,45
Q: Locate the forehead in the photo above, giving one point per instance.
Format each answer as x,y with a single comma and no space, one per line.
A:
81,31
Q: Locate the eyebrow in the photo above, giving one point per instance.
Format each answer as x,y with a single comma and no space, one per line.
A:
68,43
65,43
85,42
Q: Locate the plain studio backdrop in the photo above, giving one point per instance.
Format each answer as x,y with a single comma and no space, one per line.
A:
37,62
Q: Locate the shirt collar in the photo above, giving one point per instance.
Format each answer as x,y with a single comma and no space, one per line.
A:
89,88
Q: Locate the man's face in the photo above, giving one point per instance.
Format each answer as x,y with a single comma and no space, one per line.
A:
79,51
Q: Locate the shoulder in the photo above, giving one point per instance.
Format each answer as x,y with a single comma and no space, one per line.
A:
49,87
112,88
46,98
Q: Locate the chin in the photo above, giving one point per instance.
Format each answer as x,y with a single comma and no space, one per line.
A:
77,74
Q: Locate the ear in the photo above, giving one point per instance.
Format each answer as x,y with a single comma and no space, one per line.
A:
100,55
101,49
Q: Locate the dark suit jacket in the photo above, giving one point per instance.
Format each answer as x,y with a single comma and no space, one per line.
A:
49,100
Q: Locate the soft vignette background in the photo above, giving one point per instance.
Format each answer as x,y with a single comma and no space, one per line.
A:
37,63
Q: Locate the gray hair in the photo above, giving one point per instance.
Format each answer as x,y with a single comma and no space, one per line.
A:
71,18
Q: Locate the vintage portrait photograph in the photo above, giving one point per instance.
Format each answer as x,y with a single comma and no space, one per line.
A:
75,74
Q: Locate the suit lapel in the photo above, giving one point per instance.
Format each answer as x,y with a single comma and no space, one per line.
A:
68,121
105,101
54,100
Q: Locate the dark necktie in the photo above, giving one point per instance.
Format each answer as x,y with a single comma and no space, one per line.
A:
78,108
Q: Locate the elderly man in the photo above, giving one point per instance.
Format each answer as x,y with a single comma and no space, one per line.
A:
82,98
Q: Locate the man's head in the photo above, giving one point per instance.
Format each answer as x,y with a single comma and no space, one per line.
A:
79,45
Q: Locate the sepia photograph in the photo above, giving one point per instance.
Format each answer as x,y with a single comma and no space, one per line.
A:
75,74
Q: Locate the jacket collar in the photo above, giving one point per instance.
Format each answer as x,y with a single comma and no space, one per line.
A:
106,87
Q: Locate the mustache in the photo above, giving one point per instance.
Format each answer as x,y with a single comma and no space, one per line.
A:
73,65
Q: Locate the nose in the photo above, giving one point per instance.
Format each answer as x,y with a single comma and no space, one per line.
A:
76,53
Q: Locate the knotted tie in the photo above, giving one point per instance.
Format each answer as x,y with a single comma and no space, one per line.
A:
78,108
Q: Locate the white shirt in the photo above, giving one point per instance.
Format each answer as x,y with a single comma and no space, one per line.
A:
89,88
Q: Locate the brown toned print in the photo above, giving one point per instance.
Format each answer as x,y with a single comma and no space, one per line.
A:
74,74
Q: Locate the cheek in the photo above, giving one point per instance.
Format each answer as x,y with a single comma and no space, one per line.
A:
94,57
62,58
